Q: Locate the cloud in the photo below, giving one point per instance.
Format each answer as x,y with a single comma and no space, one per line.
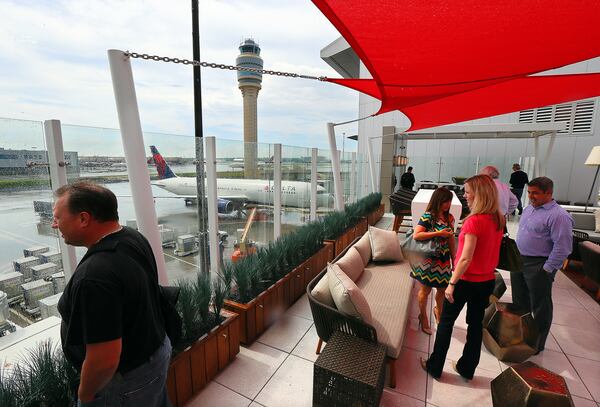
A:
55,66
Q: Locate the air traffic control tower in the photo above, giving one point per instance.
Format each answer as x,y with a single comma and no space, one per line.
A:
249,84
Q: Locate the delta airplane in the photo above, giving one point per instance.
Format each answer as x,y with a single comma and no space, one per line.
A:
235,192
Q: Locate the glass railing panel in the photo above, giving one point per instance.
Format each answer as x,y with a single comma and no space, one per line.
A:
295,187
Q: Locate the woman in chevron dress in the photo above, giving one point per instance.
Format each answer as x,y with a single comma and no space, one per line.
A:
434,272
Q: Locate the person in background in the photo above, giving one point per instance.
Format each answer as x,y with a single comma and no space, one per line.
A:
434,272
407,180
545,239
518,180
472,280
112,329
507,201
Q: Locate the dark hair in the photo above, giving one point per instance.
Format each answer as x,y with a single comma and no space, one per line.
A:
440,196
94,199
543,183
409,169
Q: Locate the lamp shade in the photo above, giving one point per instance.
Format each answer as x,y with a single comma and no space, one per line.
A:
594,157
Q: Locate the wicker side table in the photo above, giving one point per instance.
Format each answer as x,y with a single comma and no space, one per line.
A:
349,372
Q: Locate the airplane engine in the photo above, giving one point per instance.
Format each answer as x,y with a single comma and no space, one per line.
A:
224,206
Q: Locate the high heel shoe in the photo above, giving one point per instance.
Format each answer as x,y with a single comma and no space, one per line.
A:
436,314
424,328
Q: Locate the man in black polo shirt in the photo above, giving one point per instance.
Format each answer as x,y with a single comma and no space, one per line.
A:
112,326
518,180
407,180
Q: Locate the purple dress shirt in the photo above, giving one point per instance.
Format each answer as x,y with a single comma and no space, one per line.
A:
546,231
506,199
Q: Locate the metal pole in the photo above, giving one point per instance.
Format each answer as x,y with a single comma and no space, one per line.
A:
371,165
277,191
335,166
203,252
313,184
135,156
353,179
211,190
536,163
58,178
548,152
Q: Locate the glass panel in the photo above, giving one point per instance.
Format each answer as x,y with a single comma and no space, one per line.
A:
295,187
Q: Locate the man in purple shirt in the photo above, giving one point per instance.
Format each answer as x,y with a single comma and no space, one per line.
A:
545,239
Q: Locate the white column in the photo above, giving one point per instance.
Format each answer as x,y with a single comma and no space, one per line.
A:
211,194
58,178
536,163
544,164
277,191
135,156
313,183
353,179
335,167
374,187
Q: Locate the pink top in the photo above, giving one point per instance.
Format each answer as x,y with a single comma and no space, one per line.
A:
487,249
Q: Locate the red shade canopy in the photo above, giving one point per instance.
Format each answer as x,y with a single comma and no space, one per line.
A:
444,61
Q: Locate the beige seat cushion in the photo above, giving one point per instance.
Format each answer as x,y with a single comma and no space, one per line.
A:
597,216
364,248
351,264
322,293
387,288
347,295
385,245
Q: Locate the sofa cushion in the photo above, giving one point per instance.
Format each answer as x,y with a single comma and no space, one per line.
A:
364,248
387,288
351,264
346,295
584,221
385,245
322,293
597,216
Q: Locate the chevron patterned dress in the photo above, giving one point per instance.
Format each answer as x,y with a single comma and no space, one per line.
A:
434,271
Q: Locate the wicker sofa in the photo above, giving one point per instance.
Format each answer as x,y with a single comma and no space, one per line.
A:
590,256
386,286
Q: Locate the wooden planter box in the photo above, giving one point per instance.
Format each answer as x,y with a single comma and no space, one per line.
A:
260,313
374,216
192,369
362,227
343,241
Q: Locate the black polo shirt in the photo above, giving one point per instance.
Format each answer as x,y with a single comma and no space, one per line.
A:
518,179
113,294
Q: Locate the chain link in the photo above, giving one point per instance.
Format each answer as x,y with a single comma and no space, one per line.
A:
221,66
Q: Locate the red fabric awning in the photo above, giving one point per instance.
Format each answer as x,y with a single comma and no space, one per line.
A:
470,58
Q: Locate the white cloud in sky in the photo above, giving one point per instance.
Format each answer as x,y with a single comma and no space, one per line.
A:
54,65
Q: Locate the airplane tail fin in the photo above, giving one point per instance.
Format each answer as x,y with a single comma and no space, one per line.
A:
164,171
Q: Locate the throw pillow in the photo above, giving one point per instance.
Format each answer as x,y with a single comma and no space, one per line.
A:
322,293
364,248
385,245
351,264
597,215
347,296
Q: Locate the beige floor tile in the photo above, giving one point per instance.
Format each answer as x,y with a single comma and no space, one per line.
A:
251,369
285,333
575,318
411,379
291,385
581,402
563,296
558,363
453,391
577,342
215,394
414,338
589,371
487,361
393,399
301,308
255,404
308,345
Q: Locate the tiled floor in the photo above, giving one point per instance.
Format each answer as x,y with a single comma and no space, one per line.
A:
277,369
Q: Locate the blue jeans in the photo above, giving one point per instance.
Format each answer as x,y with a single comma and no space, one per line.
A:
143,386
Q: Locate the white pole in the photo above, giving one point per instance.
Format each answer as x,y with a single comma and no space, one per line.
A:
313,184
135,156
548,152
353,179
277,191
371,165
536,163
335,167
58,178
477,166
211,193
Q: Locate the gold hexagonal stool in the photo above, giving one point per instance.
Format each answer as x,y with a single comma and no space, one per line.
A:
529,385
509,334
499,288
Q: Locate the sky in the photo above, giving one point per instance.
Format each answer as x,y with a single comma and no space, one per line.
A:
54,65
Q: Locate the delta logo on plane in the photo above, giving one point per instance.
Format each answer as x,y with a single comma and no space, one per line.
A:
235,193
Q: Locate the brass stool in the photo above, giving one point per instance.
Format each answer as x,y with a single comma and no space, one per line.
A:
499,288
529,385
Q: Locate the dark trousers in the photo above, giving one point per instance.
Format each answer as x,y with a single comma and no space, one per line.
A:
476,296
532,291
518,192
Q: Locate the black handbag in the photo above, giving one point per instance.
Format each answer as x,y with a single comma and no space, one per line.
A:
424,248
510,257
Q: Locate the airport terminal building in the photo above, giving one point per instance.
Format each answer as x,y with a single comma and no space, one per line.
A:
31,162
